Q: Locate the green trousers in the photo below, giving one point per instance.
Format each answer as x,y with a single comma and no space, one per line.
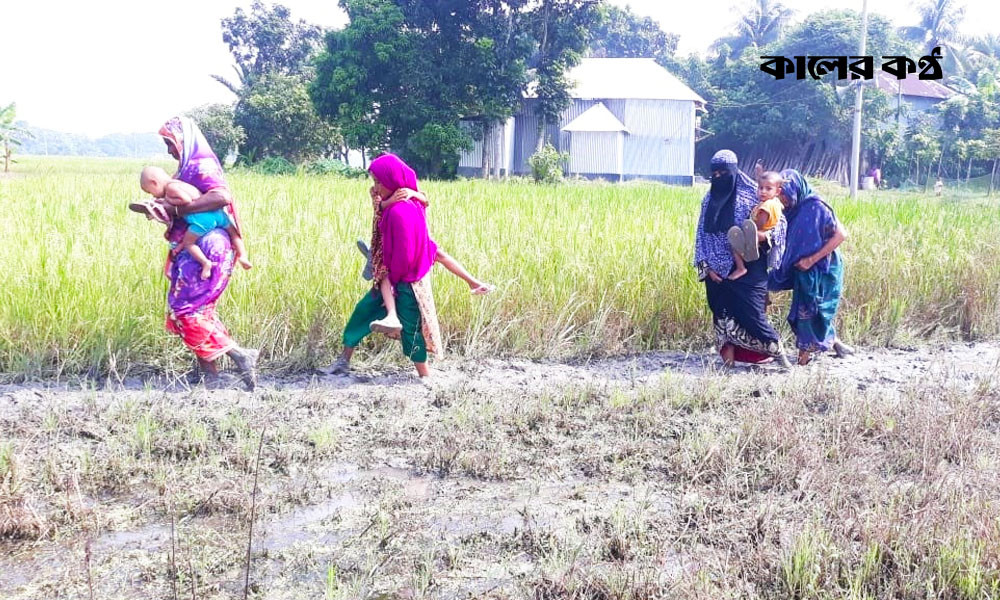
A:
371,308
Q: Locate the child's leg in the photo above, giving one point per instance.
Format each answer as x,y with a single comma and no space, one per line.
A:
740,269
241,249
735,236
190,243
456,267
387,298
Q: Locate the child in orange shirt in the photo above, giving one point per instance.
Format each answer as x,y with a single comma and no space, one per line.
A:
744,239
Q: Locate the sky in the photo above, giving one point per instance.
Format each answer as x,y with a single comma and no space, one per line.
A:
105,66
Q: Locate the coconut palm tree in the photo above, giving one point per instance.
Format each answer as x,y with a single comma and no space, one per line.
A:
938,27
984,55
10,134
760,22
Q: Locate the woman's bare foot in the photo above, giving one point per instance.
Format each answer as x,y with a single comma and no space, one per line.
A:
728,353
737,273
804,357
244,262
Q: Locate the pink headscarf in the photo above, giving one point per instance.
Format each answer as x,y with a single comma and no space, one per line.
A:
401,243
393,173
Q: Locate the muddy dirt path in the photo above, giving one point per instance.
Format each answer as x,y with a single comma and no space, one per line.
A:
376,485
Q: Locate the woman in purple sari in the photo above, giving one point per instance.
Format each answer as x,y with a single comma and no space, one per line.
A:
191,300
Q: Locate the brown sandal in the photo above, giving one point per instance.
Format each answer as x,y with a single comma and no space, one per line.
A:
153,210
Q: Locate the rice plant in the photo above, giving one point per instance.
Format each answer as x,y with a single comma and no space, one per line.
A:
581,269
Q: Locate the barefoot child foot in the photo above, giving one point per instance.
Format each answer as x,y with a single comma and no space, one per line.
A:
736,246
190,243
239,247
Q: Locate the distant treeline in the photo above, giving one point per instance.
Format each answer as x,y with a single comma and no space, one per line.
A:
124,145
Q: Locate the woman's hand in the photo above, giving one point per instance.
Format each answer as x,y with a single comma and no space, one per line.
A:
805,264
714,276
376,199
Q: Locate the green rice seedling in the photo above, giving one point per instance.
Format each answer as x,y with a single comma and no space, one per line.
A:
6,460
803,570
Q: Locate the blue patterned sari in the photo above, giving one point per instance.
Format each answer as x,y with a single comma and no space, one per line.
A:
816,292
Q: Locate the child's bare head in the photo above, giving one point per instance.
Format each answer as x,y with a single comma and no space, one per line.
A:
770,185
153,181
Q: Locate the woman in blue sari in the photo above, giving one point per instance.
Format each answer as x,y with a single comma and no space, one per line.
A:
811,267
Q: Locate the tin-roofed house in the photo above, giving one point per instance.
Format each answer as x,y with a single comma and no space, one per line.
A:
917,95
629,119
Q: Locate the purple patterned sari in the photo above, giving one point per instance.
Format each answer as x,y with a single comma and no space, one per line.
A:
191,299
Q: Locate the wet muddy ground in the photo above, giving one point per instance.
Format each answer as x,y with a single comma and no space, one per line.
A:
645,476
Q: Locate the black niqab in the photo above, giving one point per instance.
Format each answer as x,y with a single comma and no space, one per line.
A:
719,214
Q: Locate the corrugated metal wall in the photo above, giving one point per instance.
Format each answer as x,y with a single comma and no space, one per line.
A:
662,137
595,153
526,128
660,142
472,159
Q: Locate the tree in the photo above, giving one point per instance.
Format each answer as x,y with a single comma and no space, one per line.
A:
938,27
502,48
925,148
217,122
971,150
471,57
792,120
11,134
271,54
562,29
623,34
267,41
361,75
991,142
939,22
760,22
280,120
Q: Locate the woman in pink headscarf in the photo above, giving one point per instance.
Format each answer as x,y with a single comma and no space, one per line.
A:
402,253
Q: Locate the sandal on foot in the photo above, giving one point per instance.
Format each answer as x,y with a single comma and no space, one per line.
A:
751,251
841,349
341,366
247,364
386,326
736,241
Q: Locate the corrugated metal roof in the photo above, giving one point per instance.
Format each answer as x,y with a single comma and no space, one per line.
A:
911,86
594,119
625,78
